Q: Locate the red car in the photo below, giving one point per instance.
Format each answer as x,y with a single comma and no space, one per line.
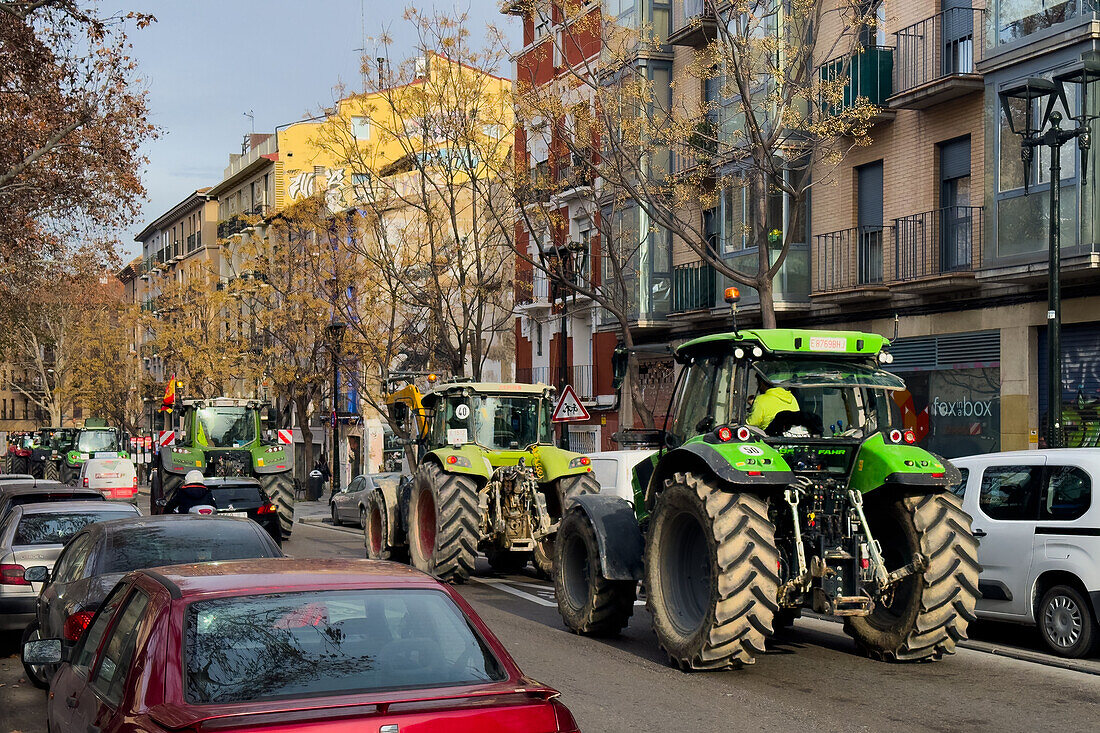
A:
281,645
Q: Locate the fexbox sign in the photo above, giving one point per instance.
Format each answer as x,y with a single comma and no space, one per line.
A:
962,408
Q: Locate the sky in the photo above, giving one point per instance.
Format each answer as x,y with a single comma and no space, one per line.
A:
206,63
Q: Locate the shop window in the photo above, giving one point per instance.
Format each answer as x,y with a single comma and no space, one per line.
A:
1010,492
1068,493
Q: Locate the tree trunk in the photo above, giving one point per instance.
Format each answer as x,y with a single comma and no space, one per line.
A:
766,289
637,396
302,416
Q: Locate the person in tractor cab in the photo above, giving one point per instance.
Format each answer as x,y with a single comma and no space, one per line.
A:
769,402
194,492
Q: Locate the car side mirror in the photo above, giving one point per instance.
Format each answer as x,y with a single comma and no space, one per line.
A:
43,651
36,574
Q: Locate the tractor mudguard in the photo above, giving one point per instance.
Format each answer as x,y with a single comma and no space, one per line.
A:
557,462
729,462
390,503
181,459
466,459
617,534
266,461
879,463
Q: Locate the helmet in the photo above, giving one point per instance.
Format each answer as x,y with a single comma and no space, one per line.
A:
194,477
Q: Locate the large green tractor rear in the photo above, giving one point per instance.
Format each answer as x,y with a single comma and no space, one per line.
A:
747,516
487,477
224,437
94,439
53,447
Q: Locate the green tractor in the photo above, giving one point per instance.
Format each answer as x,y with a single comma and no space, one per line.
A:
224,437
488,477
54,445
93,440
814,498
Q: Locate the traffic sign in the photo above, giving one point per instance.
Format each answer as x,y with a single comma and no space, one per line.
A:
569,407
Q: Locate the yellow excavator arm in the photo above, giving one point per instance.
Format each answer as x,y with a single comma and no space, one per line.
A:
412,398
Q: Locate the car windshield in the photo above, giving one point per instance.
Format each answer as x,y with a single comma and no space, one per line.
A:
297,645
91,441
227,427
174,543
825,373
56,529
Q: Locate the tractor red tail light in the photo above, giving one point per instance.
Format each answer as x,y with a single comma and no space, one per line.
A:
910,437
267,508
452,460
743,434
755,473
895,436
76,624
725,435
12,575
865,564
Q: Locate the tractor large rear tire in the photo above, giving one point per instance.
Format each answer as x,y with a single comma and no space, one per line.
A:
927,614
589,603
565,489
711,574
19,464
280,490
443,523
51,471
69,475
35,468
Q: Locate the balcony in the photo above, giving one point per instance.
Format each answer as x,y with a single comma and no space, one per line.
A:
694,288
939,249
533,293
693,23
580,378
934,59
539,185
232,225
575,171
868,75
849,262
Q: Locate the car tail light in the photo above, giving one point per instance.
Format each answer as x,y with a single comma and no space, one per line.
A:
12,575
204,511
267,508
135,482
75,625
86,484
564,719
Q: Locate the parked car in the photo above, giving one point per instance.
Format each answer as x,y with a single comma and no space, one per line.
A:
350,503
241,496
1039,534
115,477
328,645
100,554
6,478
33,534
43,491
614,469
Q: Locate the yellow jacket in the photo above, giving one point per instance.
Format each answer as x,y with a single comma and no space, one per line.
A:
766,406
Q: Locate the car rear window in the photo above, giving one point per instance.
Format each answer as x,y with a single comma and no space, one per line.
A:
330,643
20,499
226,495
56,529
177,543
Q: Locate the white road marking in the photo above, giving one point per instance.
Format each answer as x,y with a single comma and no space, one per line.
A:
500,585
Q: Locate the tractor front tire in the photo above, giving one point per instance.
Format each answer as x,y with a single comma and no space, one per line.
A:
565,489
926,615
377,531
711,574
51,471
589,603
443,523
280,491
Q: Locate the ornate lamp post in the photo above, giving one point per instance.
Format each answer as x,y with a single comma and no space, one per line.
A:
1037,93
336,331
570,258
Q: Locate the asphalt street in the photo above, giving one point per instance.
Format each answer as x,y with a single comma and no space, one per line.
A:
811,679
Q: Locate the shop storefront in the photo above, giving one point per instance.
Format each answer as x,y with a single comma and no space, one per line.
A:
953,401
1080,384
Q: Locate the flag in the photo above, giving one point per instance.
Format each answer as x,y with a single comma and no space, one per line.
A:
169,396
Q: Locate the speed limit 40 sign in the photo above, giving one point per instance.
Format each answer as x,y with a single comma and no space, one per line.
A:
569,407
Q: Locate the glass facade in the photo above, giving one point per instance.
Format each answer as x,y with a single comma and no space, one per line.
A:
1013,20
637,264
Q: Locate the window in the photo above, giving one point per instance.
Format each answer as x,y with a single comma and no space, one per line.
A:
542,20
89,642
109,678
360,128
56,529
1068,493
70,566
1010,492
159,544
1015,19
958,489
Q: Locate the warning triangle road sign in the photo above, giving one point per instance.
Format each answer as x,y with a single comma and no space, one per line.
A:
569,407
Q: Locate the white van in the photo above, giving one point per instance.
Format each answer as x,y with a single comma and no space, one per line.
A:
1039,534
115,477
614,470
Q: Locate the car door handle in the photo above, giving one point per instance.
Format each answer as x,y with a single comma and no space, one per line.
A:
70,701
979,533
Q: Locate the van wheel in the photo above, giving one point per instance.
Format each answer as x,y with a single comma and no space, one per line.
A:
1066,622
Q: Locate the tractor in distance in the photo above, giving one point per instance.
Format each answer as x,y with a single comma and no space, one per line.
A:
224,437
93,440
47,457
738,522
487,477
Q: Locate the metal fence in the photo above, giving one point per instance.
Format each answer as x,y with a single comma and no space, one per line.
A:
946,44
938,242
849,258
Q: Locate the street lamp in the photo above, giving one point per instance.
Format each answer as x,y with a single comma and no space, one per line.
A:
1047,132
569,260
336,331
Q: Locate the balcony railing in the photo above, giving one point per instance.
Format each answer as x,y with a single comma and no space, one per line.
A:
529,292
694,287
940,48
849,258
231,226
868,75
938,242
693,23
580,378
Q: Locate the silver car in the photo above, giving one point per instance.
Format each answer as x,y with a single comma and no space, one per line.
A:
34,534
350,503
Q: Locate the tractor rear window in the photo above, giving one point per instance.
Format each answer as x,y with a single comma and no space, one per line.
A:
825,373
97,440
227,427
